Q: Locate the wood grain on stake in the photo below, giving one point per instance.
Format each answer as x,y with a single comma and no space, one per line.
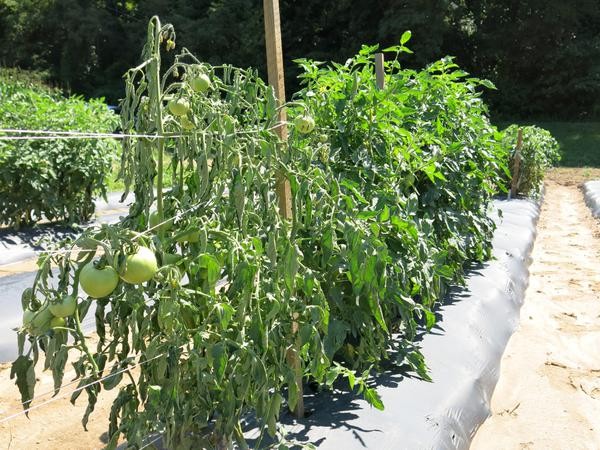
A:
284,193
276,79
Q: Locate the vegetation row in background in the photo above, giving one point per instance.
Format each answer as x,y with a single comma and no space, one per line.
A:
58,178
539,152
543,56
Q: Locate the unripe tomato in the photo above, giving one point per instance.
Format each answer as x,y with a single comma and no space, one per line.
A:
200,83
304,124
154,220
98,283
179,106
37,322
57,322
140,266
28,316
65,307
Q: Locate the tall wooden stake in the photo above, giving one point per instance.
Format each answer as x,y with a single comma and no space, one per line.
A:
284,193
276,79
514,185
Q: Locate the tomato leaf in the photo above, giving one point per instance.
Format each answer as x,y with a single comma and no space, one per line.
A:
22,368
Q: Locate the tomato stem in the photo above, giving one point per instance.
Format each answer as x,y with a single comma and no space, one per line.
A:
83,346
158,121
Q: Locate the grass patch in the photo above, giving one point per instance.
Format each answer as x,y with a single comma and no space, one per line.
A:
579,141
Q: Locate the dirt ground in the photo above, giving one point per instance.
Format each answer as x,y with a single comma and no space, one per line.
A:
55,425
548,394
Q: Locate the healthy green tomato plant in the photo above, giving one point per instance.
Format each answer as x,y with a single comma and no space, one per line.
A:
406,175
54,179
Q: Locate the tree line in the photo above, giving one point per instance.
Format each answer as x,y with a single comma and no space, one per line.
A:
543,55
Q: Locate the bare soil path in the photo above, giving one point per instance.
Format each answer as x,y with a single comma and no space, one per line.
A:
548,394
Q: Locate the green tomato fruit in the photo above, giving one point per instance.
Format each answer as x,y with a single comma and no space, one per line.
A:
28,316
179,106
58,322
304,124
140,266
98,283
37,322
154,220
65,307
200,83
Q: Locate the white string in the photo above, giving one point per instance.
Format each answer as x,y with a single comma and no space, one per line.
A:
49,134
156,439
56,135
136,237
64,395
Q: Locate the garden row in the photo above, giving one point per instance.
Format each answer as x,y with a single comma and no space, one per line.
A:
56,178
209,305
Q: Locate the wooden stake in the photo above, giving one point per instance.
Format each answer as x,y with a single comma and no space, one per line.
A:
514,185
284,193
276,79
380,71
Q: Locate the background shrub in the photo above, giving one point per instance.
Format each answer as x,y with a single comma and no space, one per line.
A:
55,179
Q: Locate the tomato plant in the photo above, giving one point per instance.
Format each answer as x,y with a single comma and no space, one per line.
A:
539,152
389,200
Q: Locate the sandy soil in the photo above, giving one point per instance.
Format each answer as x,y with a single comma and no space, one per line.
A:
53,426
548,394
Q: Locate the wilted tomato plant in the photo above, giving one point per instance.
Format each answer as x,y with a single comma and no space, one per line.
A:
194,293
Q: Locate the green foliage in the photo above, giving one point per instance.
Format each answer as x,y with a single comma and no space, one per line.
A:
390,195
543,56
403,177
539,152
56,179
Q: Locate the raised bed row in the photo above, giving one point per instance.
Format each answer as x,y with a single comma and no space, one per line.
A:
463,353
